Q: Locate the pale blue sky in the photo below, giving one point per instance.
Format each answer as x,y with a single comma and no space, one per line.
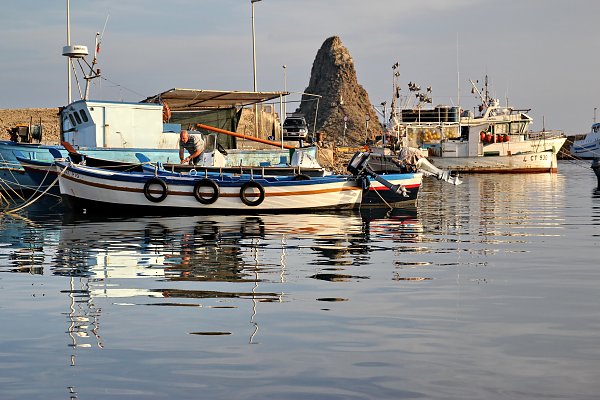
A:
542,54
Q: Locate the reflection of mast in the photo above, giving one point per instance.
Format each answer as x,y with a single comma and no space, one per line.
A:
82,313
254,302
282,260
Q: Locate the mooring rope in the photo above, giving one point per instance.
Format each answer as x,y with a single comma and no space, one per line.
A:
32,200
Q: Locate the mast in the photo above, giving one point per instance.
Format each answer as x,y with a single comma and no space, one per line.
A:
68,45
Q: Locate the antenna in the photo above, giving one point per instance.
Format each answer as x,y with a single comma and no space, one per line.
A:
78,52
457,74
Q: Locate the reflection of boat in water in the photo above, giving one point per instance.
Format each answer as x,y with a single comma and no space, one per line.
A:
191,248
596,168
189,255
518,200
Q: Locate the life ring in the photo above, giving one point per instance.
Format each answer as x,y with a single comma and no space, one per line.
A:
163,187
252,185
209,183
166,112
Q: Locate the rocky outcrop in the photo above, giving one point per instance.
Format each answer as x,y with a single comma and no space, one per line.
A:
333,77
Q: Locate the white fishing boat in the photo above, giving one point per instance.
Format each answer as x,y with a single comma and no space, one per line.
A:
589,146
498,139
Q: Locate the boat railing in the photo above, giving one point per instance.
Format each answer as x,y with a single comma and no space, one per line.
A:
544,135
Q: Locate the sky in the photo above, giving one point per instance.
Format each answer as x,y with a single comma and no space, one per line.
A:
538,54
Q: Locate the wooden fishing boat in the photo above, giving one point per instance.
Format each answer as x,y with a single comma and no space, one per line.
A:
85,187
91,188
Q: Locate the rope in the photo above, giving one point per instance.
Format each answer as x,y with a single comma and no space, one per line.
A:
31,201
382,199
577,161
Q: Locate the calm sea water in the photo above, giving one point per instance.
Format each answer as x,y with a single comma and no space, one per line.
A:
489,290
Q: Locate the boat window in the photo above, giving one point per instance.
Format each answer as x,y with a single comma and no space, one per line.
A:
501,129
84,115
77,117
72,119
517,127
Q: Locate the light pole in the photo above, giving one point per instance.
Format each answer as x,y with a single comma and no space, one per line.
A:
284,89
254,67
383,104
253,44
367,119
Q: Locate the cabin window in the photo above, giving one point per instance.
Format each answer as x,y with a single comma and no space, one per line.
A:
77,117
501,129
72,119
517,127
84,115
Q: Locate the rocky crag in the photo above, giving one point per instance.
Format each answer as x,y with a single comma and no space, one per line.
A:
333,77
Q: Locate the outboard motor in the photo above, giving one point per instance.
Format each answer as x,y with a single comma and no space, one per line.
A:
359,166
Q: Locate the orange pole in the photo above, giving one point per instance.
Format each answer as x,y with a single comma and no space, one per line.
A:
241,135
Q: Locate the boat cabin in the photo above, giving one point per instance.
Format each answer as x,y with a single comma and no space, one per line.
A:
105,124
155,122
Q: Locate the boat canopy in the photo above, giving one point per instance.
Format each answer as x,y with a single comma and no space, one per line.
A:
196,99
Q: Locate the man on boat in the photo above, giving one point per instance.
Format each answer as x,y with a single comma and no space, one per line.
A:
194,144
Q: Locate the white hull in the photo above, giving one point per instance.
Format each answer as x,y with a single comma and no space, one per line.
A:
497,140
545,161
92,186
589,146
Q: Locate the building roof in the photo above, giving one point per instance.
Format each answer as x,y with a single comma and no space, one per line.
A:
195,99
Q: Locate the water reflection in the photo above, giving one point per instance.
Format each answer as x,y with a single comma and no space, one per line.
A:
173,304
217,248
493,208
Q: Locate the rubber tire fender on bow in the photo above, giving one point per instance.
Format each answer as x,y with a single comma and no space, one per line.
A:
164,190
252,185
209,183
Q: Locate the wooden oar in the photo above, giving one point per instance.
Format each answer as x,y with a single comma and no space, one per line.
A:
241,135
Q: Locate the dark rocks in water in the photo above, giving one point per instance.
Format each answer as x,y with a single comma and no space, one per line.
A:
333,77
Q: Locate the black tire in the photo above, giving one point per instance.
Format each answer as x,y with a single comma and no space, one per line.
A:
209,183
163,186
252,185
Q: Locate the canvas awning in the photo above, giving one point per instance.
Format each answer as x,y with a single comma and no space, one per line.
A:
195,99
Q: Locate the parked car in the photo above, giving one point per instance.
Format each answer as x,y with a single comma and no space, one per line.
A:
295,128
